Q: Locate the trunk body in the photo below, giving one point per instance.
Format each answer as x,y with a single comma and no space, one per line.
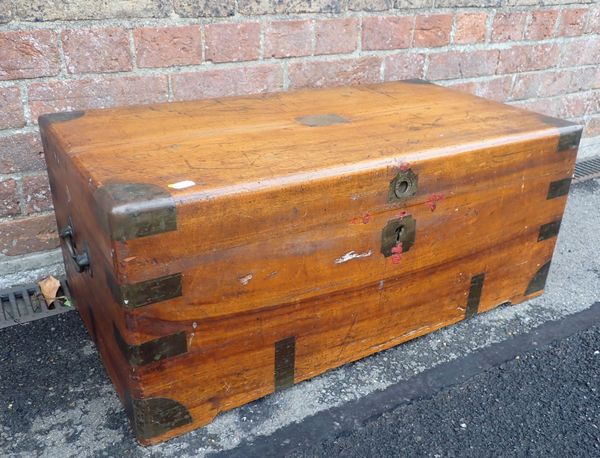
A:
228,248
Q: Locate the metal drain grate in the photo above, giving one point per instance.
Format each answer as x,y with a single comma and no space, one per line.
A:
26,303
586,169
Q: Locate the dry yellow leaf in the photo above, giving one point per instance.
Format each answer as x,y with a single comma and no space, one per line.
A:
49,287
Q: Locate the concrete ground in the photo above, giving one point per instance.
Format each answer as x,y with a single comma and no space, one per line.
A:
57,401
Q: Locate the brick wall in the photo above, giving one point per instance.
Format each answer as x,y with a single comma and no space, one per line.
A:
539,54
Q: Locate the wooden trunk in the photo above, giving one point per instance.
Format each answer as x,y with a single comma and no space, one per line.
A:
224,249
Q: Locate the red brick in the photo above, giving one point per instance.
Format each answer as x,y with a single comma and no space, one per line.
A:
227,81
572,22
462,64
555,83
404,65
334,73
526,86
21,153
11,113
573,105
9,199
585,78
549,107
508,26
558,82
541,24
582,51
28,54
593,21
592,127
432,30
470,28
36,194
386,32
334,36
498,89
232,42
98,92
523,58
96,50
29,234
288,38
495,88
468,87
167,46
592,101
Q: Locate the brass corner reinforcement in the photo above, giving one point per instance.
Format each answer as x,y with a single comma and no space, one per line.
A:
569,140
151,417
549,230
558,188
570,133
133,295
285,363
538,282
153,350
131,210
474,295
46,119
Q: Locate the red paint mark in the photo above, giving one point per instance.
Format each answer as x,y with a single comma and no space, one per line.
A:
361,219
397,253
433,199
402,214
404,166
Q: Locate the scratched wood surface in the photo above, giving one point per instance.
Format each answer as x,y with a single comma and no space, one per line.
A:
279,235
474,214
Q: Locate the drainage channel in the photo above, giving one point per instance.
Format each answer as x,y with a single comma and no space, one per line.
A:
26,303
586,169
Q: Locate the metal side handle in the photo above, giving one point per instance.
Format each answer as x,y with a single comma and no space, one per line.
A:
81,260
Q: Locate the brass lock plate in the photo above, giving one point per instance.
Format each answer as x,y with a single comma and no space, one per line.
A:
398,231
403,186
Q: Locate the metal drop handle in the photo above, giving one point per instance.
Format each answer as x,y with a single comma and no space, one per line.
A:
82,261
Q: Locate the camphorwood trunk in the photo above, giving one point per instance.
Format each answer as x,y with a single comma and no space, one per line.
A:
222,249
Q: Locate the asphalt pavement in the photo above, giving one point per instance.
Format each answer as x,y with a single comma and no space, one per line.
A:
545,403
539,397
536,394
